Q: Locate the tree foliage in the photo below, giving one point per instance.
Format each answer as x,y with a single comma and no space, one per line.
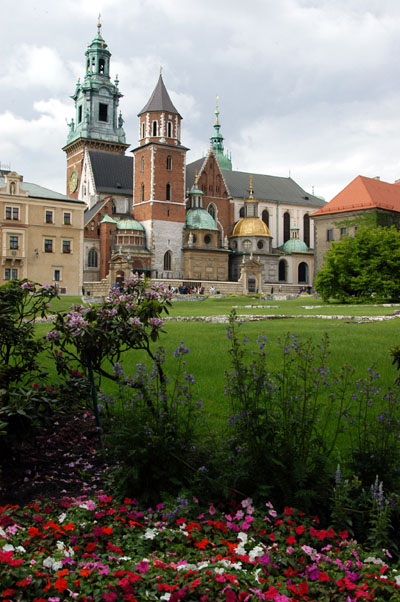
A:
362,266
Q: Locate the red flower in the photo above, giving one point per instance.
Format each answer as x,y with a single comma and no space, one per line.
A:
202,544
291,540
61,584
299,529
288,511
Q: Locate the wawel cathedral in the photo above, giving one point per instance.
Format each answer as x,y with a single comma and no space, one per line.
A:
150,212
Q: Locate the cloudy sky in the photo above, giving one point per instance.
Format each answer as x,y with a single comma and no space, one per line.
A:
309,88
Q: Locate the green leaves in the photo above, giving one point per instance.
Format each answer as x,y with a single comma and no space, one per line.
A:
362,267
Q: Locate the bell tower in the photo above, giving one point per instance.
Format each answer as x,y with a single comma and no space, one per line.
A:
159,181
97,125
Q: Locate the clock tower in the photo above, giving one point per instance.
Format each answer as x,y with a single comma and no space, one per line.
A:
97,125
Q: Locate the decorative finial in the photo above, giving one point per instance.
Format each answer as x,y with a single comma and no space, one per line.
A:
313,188
196,177
216,110
160,69
251,187
98,23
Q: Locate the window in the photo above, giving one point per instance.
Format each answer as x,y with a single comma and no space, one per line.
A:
282,271
168,192
80,114
167,260
343,232
13,242
169,162
57,275
101,66
67,219
142,192
92,258
207,239
211,210
265,217
103,112
247,245
142,164
329,235
143,129
48,218
169,129
241,212
306,229
260,244
12,213
154,128
48,245
10,274
286,226
66,246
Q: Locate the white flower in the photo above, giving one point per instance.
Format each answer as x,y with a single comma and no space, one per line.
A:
3,534
20,549
165,596
60,545
150,534
219,571
255,552
62,518
8,547
243,537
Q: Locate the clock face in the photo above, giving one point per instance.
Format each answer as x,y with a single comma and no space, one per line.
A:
73,181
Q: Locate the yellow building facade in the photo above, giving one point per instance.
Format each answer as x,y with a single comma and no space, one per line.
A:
41,235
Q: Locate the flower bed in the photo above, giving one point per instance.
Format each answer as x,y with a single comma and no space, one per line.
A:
99,549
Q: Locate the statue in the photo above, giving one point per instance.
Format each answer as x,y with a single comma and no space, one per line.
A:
120,120
190,240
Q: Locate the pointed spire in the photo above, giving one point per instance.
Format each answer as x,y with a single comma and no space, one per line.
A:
251,196
159,100
217,141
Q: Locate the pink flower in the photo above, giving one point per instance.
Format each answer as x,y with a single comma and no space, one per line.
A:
142,566
212,509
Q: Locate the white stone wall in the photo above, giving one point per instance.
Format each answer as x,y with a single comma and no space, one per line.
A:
162,236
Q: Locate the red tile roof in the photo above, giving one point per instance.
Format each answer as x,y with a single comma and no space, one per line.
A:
364,193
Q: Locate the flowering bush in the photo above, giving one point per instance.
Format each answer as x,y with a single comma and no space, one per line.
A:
98,549
154,433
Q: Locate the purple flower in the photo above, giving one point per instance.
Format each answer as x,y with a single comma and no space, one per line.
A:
156,322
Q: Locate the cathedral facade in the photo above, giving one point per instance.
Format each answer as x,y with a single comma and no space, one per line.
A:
153,213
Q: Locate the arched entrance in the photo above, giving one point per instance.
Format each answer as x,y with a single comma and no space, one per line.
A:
251,283
282,271
302,273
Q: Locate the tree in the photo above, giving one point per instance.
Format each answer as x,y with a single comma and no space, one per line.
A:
362,266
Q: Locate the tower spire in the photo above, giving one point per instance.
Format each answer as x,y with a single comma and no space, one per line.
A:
217,141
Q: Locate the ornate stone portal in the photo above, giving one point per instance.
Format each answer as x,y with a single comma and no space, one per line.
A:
250,275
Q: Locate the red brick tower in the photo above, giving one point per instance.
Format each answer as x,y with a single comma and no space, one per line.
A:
159,182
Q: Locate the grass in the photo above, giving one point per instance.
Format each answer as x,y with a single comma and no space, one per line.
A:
359,345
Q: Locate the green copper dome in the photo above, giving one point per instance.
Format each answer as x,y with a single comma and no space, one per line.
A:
295,245
129,224
107,220
200,219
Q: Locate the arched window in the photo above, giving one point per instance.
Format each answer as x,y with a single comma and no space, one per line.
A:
241,212
265,217
113,207
282,271
211,210
143,129
142,192
286,226
306,229
169,162
142,164
101,66
154,128
167,261
302,273
92,258
168,192
169,129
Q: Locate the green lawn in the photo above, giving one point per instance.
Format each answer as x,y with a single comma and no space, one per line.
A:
357,344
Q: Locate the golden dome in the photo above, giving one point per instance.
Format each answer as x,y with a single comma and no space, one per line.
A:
251,226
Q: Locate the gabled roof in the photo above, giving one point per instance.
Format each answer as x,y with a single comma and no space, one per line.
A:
266,188
159,100
364,193
38,192
113,173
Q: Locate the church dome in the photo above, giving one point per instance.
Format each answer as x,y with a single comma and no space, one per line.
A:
129,224
251,226
295,245
200,219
